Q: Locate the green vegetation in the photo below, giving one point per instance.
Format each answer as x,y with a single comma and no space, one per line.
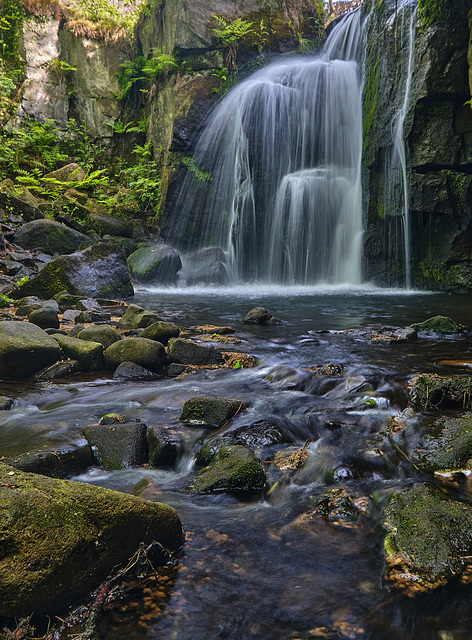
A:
371,91
191,163
433,11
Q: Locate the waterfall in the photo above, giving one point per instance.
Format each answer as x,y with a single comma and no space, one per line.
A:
284,150
396,195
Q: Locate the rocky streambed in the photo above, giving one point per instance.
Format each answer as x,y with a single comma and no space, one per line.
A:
321,474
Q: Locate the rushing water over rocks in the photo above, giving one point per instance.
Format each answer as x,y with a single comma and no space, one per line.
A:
283,149
305,558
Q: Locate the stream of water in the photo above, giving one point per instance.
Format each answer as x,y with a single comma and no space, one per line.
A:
253,569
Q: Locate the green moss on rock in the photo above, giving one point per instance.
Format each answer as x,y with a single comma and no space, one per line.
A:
59,539
430,536
438,324
209,411
234,468
429,391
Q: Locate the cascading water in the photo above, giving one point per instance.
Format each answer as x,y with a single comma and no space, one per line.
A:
398,177
284,151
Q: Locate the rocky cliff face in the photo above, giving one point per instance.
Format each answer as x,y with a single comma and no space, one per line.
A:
75,76
437,134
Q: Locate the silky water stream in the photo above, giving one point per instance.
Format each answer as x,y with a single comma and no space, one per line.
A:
252,568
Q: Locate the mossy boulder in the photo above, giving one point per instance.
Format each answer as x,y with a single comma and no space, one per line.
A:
45,317
132,371
210,412
165,446
105,334
27,304
429,537
71,172
156,263
119,445
89,354
109,225
438,324
430,391
187,352
147,353
234,468
447,444
161,331
99,271
260,315
25,349
136,317
60,539
51,237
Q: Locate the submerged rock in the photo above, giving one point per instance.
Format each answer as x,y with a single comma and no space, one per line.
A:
210,412
234,468
25,349
429,538
60,539
438,324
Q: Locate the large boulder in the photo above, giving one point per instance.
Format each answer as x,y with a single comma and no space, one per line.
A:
110,225
156,263
119,445
60,539
136,317
429,538
260,315
105,334
206,266
98,271
438,324
210,412
187,352
89,354
147,353
161,331
25,349
51,237
234,468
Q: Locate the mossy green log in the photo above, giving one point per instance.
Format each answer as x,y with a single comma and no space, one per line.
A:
60,539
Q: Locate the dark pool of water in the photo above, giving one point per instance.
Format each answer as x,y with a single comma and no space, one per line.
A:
250,569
